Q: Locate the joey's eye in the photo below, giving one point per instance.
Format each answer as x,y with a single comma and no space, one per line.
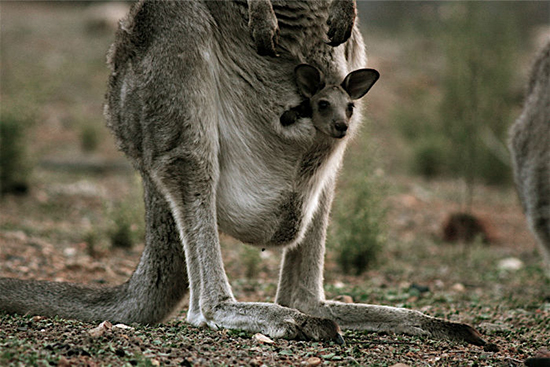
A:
323,105
349,110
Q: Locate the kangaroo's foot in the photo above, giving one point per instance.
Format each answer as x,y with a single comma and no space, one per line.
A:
394,320
341,21
269,319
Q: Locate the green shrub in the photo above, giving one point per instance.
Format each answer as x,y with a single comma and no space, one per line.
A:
429,156
91,239
127,218
251,261
15,168
357,232
121,235
89,138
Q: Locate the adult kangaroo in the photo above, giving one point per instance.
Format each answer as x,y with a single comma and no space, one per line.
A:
195,103
530,147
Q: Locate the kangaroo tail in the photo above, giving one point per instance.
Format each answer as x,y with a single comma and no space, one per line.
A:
152,294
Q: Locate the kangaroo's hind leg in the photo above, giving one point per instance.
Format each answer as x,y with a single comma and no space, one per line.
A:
301,287
159,282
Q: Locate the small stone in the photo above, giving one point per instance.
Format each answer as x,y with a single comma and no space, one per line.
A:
458,287
313,361
510,264
70,252
261,338
101,329
123,327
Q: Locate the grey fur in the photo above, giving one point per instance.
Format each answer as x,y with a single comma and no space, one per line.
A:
196,109
530,147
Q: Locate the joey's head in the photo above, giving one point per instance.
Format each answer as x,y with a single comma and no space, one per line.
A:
332,105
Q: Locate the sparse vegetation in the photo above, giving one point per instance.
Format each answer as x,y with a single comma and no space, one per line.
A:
251,261
89,138
128,223
357,234
91,239
121,235
15,167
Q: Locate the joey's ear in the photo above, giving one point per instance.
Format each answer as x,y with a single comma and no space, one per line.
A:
358,82
308,79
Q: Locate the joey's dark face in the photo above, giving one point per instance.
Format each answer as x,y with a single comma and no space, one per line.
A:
332,109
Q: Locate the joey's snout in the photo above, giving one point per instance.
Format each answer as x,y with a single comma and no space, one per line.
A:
336,126
338,129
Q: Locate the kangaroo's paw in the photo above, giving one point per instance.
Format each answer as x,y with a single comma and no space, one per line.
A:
341,21
273,320
453,330
265,32
394,320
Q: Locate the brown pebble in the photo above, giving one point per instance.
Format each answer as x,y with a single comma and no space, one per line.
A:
313,361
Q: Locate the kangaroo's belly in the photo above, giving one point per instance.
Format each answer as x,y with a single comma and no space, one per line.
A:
260,215
269,188
257,196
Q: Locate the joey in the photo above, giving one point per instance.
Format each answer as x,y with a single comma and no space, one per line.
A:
330,107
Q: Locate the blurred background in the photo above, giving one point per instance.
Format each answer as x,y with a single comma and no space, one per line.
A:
425,197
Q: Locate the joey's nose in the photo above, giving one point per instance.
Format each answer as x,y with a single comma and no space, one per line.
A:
341,127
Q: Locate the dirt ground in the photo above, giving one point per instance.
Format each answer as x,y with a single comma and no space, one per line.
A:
53,69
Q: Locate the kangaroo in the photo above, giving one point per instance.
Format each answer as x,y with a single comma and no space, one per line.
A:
196,108
530,148
329,107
